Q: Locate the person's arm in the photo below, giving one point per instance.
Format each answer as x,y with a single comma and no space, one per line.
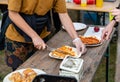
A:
107,31
67,23
20,22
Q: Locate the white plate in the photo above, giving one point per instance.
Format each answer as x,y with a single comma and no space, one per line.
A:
6,79
74,49
90,32
78,26
94,44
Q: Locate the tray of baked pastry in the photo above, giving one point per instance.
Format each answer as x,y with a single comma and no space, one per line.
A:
92,36
23,75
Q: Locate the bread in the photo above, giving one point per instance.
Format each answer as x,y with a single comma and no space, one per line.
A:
29,74
16,77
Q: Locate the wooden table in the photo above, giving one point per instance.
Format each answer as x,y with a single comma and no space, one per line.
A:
107,6
92,58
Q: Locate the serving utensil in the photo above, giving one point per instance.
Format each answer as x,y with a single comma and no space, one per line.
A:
50,48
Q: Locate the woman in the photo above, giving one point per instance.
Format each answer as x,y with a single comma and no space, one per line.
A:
26,33
107,31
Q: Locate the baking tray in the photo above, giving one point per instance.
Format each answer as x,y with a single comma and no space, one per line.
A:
53,78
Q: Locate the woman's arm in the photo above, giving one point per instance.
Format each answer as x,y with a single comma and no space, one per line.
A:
107,31
67,23
20,22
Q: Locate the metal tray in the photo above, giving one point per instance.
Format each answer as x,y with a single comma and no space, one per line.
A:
53,78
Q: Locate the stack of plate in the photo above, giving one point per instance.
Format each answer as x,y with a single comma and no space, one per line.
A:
72,67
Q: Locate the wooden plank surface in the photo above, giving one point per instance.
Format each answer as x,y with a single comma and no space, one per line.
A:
92,58
107,6
117,74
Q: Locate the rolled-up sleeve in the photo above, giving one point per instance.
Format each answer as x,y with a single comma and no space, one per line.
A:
14,5
60,6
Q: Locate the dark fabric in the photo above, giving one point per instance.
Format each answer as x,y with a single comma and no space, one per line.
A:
5,22
56,21
16,52
36,22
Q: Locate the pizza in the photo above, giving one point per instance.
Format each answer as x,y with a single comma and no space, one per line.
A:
63,51
89,40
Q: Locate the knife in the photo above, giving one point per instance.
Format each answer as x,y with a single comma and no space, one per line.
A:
50,48
57,50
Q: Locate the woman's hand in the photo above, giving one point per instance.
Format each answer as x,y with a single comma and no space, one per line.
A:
81,49
107,31
68,24
39,43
